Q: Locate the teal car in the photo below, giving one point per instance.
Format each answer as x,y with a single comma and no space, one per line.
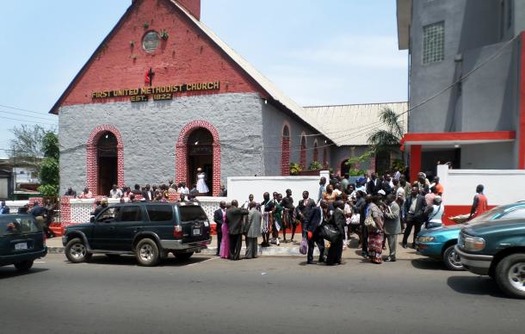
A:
439,243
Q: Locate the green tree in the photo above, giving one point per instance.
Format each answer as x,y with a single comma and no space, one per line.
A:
27,144
385,142
49,166
50,145
389,139
353,163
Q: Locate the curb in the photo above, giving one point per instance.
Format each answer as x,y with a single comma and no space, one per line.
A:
266,251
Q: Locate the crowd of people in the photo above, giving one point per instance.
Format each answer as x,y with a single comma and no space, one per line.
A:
147,192
375,208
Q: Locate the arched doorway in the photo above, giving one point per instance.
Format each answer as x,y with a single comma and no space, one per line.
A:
107,162
200,155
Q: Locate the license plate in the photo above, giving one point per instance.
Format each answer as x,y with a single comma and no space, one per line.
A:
196,231
21,246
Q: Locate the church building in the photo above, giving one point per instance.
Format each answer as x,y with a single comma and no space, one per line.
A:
163,96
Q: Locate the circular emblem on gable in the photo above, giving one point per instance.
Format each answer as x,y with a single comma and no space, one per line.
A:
150,41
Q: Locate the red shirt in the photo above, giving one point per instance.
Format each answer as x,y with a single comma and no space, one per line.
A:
482,205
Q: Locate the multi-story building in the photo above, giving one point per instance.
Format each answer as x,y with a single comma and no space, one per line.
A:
466,82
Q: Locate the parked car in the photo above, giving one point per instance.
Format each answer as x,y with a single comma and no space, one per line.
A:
148,230
22,241
439,243
497,248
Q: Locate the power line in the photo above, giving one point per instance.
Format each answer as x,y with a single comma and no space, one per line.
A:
21,109
21,120
10,113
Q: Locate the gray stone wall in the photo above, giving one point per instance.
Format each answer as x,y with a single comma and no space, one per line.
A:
273,120
151,129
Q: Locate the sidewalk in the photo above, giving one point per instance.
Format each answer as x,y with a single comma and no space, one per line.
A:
284,249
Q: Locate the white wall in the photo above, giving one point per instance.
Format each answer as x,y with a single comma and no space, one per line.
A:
240,188
501,186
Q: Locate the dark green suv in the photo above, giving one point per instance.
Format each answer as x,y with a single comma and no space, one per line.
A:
497,248
21,241
148,230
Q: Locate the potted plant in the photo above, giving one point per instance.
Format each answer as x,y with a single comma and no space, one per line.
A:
295,168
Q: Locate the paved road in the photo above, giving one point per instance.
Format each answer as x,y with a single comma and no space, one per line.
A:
264,295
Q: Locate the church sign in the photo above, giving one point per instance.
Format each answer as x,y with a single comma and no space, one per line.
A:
156,93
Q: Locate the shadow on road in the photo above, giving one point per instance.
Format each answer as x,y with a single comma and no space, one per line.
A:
10,272
428,264
475,285
125,260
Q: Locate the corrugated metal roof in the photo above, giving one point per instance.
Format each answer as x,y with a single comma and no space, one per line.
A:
344,124
351,125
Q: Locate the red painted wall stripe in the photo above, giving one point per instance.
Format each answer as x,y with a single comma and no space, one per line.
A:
415,162
521,138
459,136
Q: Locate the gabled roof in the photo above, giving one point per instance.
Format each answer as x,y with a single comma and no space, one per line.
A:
352,124
266,85
272,90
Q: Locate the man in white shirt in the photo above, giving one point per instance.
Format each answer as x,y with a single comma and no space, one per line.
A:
115,192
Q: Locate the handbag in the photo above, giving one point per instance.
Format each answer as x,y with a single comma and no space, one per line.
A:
303,247
370,222
329,232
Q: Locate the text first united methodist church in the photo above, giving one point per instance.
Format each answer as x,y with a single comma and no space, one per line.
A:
162,96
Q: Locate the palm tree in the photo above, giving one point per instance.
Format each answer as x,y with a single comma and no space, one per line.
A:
385,142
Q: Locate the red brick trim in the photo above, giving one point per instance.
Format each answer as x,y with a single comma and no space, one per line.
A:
91,156
285,149
181,153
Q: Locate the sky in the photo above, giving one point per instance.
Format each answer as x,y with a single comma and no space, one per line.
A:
328,52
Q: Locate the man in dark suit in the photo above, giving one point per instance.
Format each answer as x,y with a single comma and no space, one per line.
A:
312,226
373,186
219,217
147,194
304,209
234,219
337,219
415,215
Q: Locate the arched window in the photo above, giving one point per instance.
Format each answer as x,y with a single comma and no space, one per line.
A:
285,151
316,152
302,158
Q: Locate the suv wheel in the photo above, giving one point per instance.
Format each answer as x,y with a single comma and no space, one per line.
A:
183,256
147,252
451,259
76,251
24,265
510,275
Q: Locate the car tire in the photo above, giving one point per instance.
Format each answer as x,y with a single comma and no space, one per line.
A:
510,275
76,251
451,259
24,265
147,253
183,256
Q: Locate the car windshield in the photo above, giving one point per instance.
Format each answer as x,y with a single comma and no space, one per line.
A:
513,211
